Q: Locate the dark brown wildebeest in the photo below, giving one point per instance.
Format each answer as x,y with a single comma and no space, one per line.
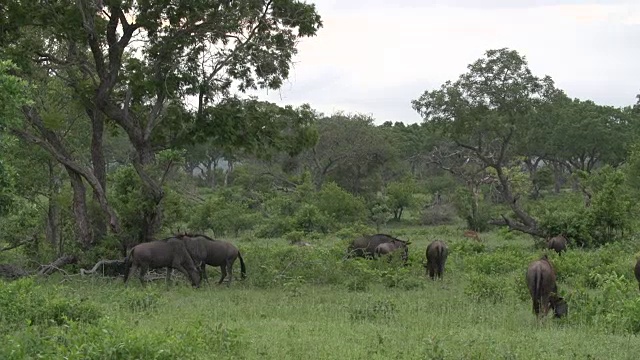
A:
558,243
207,251
436,253
541,280
168,253
365,246
388,248
637,272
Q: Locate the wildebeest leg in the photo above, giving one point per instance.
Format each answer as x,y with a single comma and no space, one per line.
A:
223,270
168,277
432,272
143,272
536,306
203,271
181,268
230,271
132,270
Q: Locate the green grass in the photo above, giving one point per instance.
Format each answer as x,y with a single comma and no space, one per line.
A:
300,303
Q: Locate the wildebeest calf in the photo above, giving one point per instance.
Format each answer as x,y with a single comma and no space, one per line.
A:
558,243
206,251
436,253
167,253
541,280
389,248
365,246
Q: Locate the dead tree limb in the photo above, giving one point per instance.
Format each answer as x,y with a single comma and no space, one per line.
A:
102,263
11,247
517,226
56,265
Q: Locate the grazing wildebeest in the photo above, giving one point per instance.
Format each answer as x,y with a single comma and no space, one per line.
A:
637,272
167,253
558,243
388,248
365,246
436,253
207,251
541,280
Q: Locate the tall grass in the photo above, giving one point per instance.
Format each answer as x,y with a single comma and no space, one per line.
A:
306,302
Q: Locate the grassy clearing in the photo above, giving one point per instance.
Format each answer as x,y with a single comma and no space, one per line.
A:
306,302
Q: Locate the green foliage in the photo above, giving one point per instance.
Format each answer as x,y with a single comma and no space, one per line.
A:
472,208
615,307
606,220
341,206
481,287
224,212
400,196
14,93
24,303
130,200
438,214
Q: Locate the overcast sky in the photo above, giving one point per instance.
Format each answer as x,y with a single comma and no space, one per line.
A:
375,56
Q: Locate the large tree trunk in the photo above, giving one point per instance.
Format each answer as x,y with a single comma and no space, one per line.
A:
527,223
228,172
99,168
83,229
557,176
152,216
53,210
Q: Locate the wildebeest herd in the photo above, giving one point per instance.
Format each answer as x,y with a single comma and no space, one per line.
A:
190,254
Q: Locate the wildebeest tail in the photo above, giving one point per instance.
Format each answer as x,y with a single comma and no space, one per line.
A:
243,268
127,264
537,286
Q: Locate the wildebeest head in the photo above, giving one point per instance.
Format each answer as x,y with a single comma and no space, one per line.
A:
559,306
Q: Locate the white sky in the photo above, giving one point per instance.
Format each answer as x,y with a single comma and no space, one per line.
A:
375,56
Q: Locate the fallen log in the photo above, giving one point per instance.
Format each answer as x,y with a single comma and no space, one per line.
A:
107,268
57,265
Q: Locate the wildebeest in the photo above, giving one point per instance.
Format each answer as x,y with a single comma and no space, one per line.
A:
365,246
541,280
207,251
167,253
436,253
637,272
558,243
388,248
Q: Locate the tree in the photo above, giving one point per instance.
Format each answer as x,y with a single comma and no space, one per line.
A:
185,51
486,112
349,149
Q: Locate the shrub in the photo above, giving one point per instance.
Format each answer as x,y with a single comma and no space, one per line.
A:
438,214
490,288
340,205
25,303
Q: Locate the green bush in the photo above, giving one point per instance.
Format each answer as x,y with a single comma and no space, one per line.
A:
489,288
615,307
497,262
339,205
442,214
25,303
